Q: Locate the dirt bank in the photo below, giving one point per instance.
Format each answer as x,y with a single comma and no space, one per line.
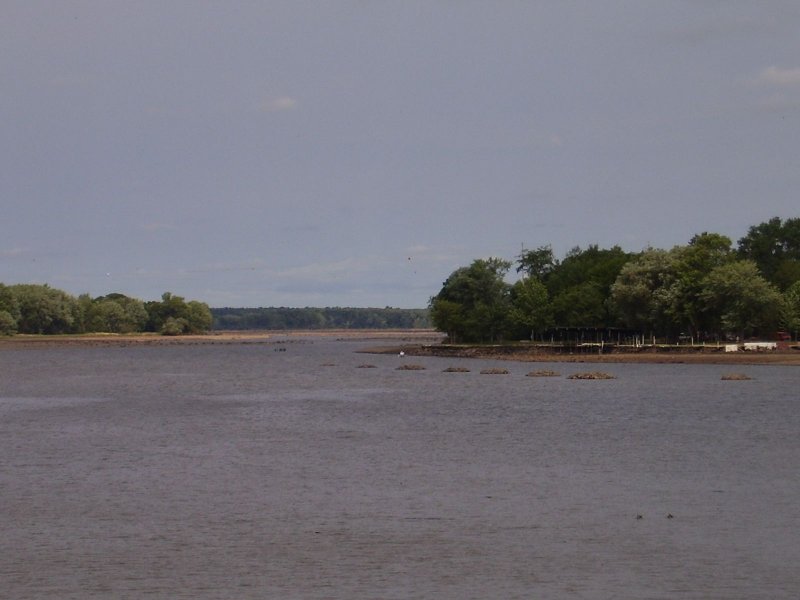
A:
785,355
395,336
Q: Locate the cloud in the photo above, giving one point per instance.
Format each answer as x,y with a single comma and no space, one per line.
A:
779,76
278,104
13,252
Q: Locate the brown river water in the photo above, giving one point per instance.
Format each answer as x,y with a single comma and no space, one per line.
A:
282,470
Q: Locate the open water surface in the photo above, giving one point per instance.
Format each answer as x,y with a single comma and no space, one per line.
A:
285,471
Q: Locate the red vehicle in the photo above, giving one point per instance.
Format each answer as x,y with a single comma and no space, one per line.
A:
783,336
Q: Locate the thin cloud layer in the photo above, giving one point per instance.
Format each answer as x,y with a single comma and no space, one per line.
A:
778,76
279,104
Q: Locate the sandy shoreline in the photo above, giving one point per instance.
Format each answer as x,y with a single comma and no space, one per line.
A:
784,356
397,336
417,342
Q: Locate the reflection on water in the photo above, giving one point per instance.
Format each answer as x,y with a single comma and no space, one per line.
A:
241,472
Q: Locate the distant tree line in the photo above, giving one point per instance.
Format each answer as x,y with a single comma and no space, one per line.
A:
319,318
705,290
40,309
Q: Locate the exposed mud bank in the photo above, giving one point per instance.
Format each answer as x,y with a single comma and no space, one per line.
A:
784,355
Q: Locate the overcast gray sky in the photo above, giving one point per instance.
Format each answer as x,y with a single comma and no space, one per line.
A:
354,153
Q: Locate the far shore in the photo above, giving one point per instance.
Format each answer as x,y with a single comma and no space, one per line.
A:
217,337
419,342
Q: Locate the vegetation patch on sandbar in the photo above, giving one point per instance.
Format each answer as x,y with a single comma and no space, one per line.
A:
591,375
544,373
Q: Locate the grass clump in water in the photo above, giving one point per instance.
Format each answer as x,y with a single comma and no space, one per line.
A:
543,373
736,377
591,375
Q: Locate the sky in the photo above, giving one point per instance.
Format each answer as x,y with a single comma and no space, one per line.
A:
355,153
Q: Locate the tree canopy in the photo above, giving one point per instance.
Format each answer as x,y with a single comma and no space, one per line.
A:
705,289
40,309
474,302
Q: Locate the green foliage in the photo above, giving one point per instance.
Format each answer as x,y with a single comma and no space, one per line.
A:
699,288
538,263
40,309
9,311
174,316
173,326
580,286
114,313
43,309
642,293
742,300
775,248
474,302
8,324
791,316
531,310
693,263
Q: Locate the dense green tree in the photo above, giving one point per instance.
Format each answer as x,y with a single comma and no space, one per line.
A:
580,286
741,300
482,298
642,293
198,317
114,313
531,311
174,316
791,317
538,263
8,324
44,309
693,262
9,311
175,326
582,305
775,247
448,316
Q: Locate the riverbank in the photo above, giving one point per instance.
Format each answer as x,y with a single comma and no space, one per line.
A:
396,336
422,342
784,355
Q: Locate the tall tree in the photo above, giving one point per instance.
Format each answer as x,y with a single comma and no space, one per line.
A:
741,301
9,311
693,262
580,286
792,309
538,263
531,311
774,246
473,304
44,309
643,292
